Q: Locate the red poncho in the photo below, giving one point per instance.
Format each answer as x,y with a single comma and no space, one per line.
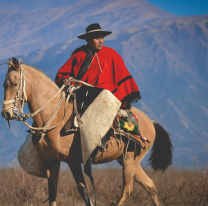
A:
107,71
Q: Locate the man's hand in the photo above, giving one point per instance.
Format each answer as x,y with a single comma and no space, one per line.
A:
67,81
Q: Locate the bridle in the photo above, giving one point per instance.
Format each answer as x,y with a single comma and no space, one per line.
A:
21,96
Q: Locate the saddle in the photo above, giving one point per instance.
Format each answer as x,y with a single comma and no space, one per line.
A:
125,123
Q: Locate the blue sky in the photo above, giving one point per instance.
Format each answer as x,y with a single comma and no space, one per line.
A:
183,7
178,7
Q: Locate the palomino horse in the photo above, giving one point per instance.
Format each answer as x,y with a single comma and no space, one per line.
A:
56,147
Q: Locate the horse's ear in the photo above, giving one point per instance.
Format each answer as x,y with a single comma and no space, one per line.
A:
10,64
16,64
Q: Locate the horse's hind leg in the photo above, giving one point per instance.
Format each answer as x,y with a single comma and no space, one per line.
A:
52,171
76,170
142,178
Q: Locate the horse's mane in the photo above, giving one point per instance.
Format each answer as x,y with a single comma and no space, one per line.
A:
42,72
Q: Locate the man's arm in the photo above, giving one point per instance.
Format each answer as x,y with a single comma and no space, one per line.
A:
127,90
64,72
72,64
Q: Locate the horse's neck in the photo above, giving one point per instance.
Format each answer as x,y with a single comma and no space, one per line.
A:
40,90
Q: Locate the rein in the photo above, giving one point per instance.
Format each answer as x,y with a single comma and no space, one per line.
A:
4,63
69,93
46,128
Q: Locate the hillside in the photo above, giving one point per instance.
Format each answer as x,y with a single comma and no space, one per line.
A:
25,31
167,55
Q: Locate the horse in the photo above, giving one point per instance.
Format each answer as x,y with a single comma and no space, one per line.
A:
55,147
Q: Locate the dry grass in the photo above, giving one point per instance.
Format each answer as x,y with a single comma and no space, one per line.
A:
181,187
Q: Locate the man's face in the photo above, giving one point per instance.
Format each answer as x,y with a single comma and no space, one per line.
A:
96,42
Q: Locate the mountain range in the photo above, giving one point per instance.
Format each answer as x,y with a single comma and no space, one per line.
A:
166,54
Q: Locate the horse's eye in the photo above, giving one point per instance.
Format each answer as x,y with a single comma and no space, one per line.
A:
14,85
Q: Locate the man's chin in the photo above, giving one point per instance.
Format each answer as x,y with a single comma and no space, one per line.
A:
99,48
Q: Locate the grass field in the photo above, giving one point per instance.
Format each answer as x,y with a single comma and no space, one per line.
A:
182,187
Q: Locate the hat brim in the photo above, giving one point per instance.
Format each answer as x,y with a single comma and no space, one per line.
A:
104,33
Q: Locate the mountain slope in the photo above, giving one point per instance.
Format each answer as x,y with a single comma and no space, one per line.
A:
167,56
25,31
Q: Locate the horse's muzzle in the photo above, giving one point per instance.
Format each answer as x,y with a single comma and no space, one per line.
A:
10,114
5,115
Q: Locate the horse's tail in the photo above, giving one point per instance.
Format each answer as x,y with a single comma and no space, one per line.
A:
161,153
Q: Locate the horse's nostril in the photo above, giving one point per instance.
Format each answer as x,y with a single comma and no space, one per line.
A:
3,114
6,115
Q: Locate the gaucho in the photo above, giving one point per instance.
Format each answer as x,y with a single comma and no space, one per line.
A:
100,66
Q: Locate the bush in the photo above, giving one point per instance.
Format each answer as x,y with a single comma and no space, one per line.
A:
181,187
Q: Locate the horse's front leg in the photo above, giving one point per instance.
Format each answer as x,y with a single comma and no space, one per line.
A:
52,171
128,172
76,170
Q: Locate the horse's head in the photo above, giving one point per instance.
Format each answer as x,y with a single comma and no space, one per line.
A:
13,90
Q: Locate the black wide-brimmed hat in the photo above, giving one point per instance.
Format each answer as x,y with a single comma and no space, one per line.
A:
92,29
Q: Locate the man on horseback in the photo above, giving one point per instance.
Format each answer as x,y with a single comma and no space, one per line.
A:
100,66
103,68
47,146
